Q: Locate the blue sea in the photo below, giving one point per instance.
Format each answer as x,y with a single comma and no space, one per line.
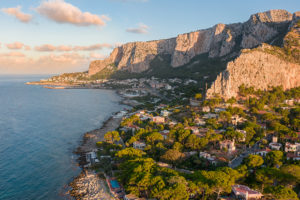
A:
39,130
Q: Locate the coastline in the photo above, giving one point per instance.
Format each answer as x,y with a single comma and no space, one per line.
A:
88,185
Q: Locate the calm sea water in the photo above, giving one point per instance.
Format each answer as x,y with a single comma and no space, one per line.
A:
39,129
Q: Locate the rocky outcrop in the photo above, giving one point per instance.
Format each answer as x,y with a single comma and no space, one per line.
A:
265,66
135,56
218,41
257,68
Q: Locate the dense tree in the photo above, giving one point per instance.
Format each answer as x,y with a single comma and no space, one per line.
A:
274,158
254,161
177,146
198,96
231,101
232,134
293,170
172,156
183,134
153,137
129,153
282,193
112,137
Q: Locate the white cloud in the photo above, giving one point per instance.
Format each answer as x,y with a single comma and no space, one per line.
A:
92,47
50,47
16,12
15,45
45,47
141,29
12,54
62,12
64,48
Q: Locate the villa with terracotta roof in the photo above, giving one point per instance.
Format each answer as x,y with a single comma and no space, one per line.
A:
244,192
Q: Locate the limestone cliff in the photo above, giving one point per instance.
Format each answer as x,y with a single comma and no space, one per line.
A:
263,67
255,68
217,42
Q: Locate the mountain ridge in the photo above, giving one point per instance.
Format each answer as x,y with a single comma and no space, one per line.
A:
218,41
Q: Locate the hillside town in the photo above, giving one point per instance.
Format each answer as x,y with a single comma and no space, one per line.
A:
240,148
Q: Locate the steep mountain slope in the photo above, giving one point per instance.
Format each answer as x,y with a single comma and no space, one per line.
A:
263,67
222,42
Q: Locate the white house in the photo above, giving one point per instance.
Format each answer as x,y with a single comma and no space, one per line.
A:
139,145
262,152
244,192
158,119
275,146
292,147
199,122
165,113
165,133
209,157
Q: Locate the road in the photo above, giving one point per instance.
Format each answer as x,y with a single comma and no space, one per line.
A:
239,159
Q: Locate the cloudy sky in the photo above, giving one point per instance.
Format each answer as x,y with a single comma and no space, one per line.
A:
55,36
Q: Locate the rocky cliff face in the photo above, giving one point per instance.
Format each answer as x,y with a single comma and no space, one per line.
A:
219,41
258,69
263,67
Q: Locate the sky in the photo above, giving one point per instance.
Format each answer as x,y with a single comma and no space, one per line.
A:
58,36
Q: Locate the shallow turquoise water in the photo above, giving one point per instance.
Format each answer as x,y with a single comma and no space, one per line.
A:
39,130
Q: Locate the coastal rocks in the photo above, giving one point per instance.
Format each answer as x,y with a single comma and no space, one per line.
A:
256,68
218,41
88,186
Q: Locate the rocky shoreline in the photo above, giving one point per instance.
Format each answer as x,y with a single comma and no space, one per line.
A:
89,185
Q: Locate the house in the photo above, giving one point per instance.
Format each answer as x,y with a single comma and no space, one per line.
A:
244,192
168,87
139,145
289,102
199,122
218,109
91,157
262,152
292,147
274,139
243,139
275,146
165,113
236,120
293,156
165,133
131,127
205,109
194,102
209,157
172,123
158,119
194,129
227,144
210,115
